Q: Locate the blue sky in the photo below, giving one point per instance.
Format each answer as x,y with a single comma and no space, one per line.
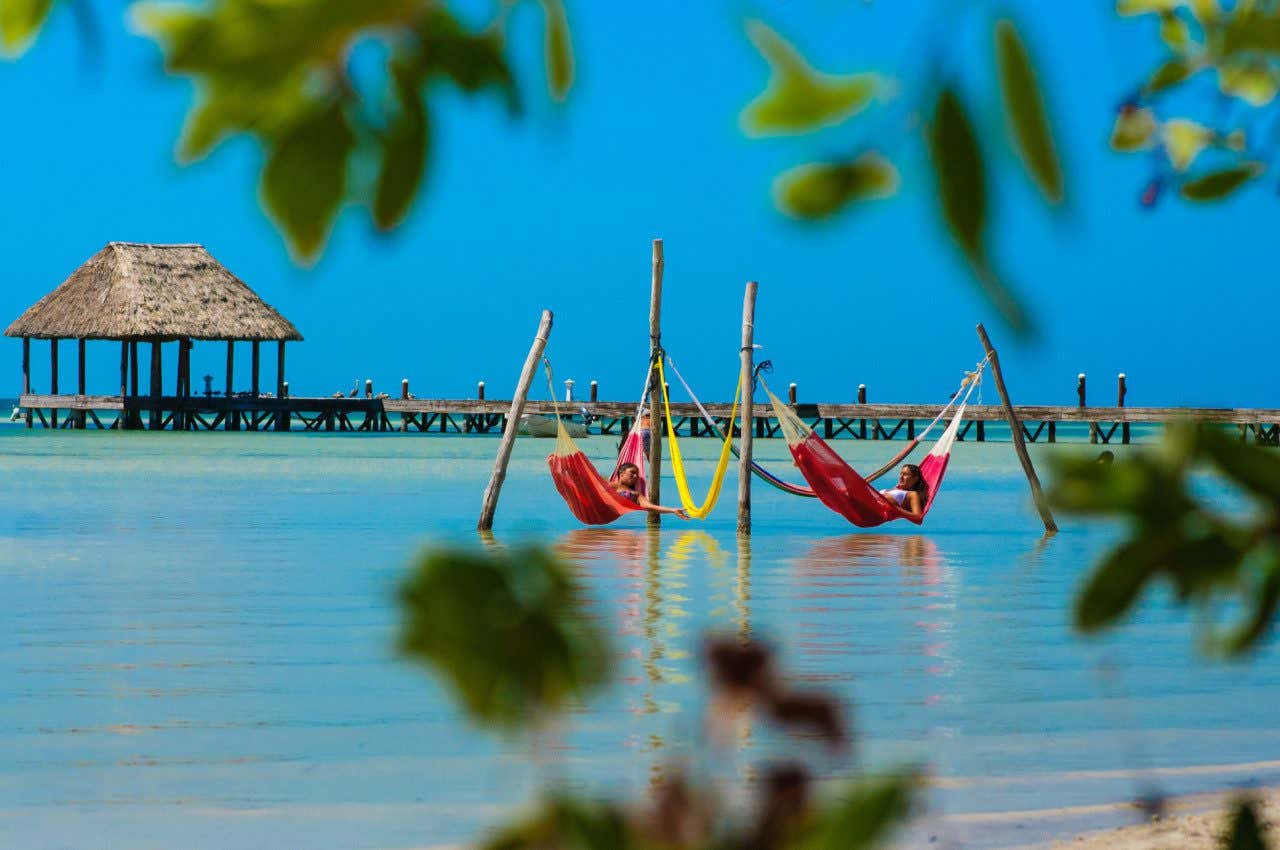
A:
558,209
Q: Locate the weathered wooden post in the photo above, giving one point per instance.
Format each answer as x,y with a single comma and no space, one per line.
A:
26,375
744,445
480,391
791,394
653,519
124,369
53,382
368,387
255,355
179,388
491,492
1122,390
595,391
1080,387
1015,430
80,384
404,388
134,417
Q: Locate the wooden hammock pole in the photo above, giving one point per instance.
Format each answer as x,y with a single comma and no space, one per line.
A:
655,388
513,423
744,446
1015,429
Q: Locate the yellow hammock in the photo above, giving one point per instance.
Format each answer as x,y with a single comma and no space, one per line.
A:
677,462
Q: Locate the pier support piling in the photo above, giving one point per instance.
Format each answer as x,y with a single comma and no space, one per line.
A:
653,518
490,504
748,404
1122,389
80,385
26,375
156,414
1015,431
53,379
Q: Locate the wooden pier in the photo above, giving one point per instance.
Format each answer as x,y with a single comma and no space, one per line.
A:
488,416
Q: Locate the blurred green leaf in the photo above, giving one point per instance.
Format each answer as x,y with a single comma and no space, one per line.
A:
404,155
1116,581
1169,74
1219,184
305,177
1025,112
1252,81
1261,603
1204,10
472,61
506,630
559,50
962,179
1245,832
862,816
818,190
20,21
1254,467
565,823
798,98
1174,32
1143,7
1184,140
1135,129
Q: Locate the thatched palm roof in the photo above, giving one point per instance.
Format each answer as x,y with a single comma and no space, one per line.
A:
134,291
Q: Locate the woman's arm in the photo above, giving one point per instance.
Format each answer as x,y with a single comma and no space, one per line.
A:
643,501
912,506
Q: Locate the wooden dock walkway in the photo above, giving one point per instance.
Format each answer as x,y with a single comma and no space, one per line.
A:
485,416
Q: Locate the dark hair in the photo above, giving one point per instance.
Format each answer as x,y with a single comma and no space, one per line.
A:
625,466
921,487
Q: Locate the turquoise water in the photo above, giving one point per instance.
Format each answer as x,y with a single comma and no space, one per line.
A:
197,637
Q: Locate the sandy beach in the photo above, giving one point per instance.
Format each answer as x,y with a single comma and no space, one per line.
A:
1193,822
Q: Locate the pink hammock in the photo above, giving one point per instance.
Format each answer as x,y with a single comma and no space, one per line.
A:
839,486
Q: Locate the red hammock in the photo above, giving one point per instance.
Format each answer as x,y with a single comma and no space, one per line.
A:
585,491
839,486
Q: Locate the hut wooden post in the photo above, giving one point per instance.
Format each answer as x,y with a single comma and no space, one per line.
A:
80,384
1015,430
494,488
124,369
283,419
157,415
53,379
26,375
179,389
1122,389
229,391
653,519
256,357
133,418
748,403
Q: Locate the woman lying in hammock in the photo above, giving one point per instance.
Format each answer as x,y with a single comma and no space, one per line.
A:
911,494
625,485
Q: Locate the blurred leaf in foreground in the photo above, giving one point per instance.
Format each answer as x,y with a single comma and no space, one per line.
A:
506,630
1176,537
558,50
962,196
798,98
1245,831
20,21
1025,113
1217,185
819,190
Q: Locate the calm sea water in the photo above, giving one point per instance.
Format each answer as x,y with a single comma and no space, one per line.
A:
196,640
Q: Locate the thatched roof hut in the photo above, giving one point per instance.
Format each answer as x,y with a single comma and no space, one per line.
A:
132,291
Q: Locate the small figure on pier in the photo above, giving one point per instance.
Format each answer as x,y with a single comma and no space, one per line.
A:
626,486
911,493
355,391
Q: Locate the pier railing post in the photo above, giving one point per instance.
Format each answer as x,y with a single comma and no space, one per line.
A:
1015,431
745,440
1122,389
653,518
595,391
494,488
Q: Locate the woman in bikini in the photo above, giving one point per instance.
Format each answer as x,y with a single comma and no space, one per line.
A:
628,487
911,493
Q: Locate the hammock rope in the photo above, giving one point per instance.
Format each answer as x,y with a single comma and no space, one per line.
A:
691,507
